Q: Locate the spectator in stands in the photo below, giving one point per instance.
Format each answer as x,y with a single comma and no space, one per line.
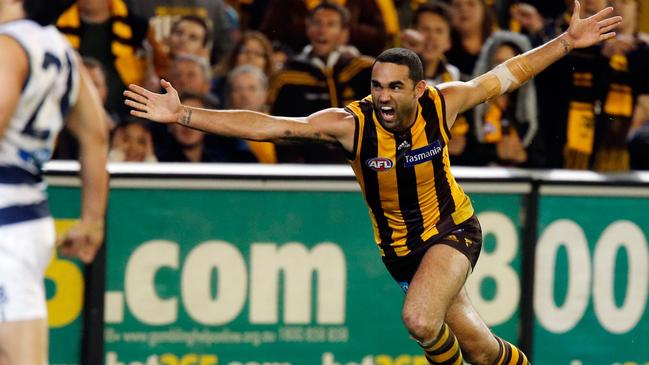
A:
625,88
107,31
190,35
193,75
132,142
97,74
567,118
324,75
406,11
191,145
411,39
473,22
281,54
253,48
248,90
366,23
507,124
162,14
432,21
67,146
539,29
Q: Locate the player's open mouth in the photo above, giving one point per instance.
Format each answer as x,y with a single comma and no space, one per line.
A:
388,113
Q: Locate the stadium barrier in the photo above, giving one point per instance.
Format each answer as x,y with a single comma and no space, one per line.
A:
249,265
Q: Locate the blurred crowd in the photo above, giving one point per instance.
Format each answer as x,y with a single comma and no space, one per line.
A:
589,111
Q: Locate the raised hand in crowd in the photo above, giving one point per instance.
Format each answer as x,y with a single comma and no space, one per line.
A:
528,16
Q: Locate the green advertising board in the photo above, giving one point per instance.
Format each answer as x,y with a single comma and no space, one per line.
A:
273,277
285,275
591,280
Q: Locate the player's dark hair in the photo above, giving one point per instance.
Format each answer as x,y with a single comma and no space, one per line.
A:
45,12
406,57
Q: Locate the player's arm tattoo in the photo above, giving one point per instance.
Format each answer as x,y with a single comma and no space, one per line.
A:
567,47
291,136
187,118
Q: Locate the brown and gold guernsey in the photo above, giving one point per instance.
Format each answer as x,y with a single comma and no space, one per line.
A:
406,177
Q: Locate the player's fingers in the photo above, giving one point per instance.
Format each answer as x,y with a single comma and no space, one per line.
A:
609,28
135,105
139,114
167,86
89,249
67,248
577,10
86,255
140,90
606,36
608,21
137,97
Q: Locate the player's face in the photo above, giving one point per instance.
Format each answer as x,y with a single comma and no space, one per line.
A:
394,95
325,31
437,35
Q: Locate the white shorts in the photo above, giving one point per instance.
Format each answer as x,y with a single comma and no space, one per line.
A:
25,252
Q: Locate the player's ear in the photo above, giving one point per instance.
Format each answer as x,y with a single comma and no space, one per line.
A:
420,88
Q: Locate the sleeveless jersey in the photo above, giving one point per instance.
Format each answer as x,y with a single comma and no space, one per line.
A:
50,89
406,177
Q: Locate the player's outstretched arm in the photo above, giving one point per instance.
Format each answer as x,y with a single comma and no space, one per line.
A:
87,122
461,96
329,125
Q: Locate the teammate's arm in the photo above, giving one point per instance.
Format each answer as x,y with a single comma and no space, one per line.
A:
461,96
330,125
14,67
87,123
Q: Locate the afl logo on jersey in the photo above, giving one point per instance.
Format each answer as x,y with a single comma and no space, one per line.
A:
379,163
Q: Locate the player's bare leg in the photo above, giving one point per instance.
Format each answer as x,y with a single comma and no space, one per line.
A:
479,345
437,282
23,342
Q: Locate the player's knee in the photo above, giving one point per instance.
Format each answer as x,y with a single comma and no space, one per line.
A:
420,325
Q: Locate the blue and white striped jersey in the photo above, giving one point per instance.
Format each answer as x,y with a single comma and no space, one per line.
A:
50,90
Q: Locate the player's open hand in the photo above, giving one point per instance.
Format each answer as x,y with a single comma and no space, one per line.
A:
83,240
586,32
163,108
